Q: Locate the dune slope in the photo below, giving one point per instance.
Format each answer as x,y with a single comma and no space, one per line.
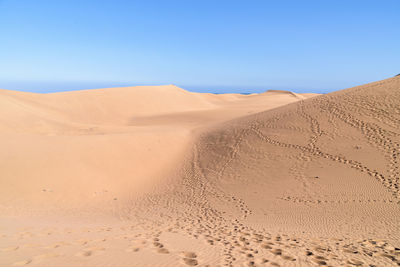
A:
315,182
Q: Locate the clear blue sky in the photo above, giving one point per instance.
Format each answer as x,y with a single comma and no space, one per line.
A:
203,45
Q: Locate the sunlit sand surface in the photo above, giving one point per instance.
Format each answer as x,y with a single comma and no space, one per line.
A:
158,176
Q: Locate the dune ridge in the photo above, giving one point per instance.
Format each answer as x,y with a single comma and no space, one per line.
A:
272,179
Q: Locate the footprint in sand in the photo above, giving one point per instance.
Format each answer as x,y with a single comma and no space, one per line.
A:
82,242
132,249
288,258
308,253
277,251
89,251
189,258
9,249
31,245
56,245
21,263
249,255
160,247
36,259
187,254
85,253
190,262
210,242
319,262
351,251
266,246
45,256
162,250
158,244
355,262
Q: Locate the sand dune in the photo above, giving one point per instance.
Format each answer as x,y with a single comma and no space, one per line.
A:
158,176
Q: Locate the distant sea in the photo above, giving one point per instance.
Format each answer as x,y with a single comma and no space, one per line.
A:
52,87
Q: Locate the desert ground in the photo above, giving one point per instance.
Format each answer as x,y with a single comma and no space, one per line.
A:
159,176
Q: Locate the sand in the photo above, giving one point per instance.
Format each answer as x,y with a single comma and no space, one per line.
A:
159,176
